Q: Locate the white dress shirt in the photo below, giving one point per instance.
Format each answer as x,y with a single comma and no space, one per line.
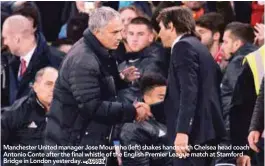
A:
175,41
26,58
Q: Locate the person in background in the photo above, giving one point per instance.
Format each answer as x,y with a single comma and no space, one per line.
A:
149,132
237,43
24,122
127,14
75,29
211,29
192,109
243,100
29,55
145,54
256,129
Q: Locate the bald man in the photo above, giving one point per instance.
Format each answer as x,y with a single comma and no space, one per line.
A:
24,122
30,55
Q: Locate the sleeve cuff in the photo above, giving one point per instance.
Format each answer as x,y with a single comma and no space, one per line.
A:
129,113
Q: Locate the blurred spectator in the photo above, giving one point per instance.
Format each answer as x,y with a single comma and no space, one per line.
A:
197,8
75,29
149,132
127,14
211,28
31,11
50,18
243,100
144,54
24,122
31,54
256,135
238,39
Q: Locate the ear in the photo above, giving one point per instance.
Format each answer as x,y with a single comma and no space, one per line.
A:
34,86
237,44
151,37
171,26
216,36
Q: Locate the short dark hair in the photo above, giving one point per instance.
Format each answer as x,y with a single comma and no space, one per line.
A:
212,21
181,17
142,21
150,81
76,26
28,9
241,31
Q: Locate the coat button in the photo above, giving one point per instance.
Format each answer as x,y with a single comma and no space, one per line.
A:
78,137
107,138
108,65
86,133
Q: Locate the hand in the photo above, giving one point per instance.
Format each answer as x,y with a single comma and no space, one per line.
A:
253,138
259,33
243,161
181,144
143,111
130,74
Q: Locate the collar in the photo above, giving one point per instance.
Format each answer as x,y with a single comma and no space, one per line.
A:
28,56
95,44
175,41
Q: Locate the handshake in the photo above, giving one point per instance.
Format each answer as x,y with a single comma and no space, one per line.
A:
143,111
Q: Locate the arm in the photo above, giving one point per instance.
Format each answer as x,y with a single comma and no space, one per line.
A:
257,121
85,86
9,123
186,71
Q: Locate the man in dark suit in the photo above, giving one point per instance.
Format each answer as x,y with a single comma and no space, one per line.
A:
29,52
192,103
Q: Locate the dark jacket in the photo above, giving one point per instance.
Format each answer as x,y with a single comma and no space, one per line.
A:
229,79
151,59
5,79
23,123
192,102
257,120
242,104
84,106
43,56
150,132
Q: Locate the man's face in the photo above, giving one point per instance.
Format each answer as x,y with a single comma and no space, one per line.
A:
44,86
157,94
10,40
110,35
138,37
206,36
126,17
165,35
229,45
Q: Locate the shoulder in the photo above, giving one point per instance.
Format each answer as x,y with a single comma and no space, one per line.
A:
18,108
81,57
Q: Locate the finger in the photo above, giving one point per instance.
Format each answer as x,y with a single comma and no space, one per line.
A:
128,69
248,163
256,138
254,147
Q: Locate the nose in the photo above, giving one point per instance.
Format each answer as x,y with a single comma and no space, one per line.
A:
119,36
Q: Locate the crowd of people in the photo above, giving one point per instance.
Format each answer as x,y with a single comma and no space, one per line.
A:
130,73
